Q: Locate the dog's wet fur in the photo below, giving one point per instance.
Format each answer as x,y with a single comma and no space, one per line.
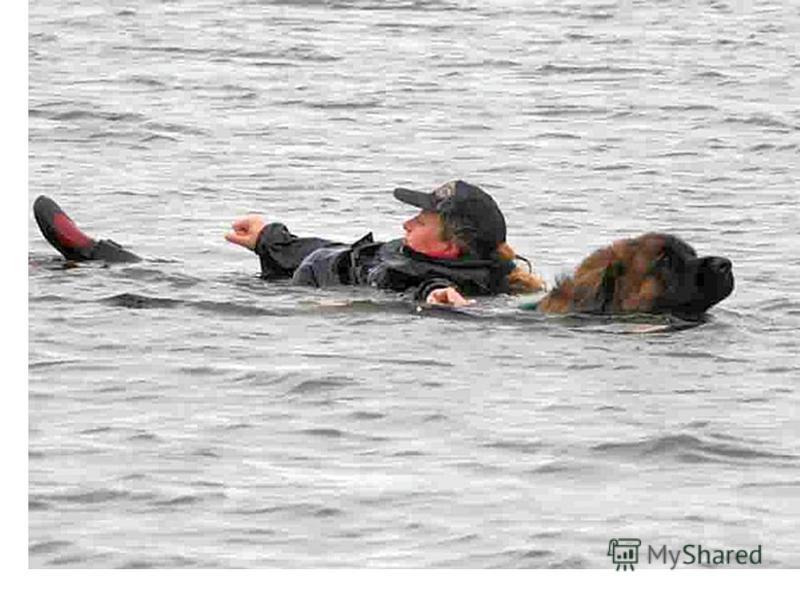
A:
652,273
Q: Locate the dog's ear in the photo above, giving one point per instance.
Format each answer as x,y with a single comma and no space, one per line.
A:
608,285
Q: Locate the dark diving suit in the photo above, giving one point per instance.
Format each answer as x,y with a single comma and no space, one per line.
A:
386,265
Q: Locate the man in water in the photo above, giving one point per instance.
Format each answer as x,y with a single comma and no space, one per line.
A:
455,247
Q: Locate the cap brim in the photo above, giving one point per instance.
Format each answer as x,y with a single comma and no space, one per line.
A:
422,200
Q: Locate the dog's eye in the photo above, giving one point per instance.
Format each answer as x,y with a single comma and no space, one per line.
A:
663,261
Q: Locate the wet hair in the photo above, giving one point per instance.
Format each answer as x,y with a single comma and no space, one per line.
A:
520,281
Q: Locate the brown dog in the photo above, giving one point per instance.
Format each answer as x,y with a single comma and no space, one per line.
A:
653,273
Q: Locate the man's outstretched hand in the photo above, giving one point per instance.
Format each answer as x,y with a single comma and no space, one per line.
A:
245,231
448,296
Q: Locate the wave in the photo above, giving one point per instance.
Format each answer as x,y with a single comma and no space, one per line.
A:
141,302
311,386
84,115
587,70
97,496
691,449
763,121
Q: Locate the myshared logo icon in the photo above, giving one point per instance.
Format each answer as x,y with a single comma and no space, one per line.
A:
624,552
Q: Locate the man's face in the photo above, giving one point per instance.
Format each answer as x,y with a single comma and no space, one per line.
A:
423,235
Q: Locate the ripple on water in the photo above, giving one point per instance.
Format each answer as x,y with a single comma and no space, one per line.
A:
365,415
522,558
77,559
516,446
692,449
793,485
48,547
85,115
168,562
87,497
324,432
293,509
312,386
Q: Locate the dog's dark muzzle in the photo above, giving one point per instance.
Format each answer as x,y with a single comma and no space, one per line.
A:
721,267
714,282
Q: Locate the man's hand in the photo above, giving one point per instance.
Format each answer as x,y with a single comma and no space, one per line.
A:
448,296
245,231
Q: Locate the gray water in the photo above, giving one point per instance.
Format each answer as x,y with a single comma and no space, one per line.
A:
183,413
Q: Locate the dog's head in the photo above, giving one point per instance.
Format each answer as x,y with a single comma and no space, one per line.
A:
653,273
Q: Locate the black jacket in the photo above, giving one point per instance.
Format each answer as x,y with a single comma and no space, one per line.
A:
386,265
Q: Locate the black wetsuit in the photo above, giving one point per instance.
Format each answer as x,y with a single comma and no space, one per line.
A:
387,265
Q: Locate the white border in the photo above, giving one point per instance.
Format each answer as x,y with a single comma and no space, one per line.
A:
14,433
372,584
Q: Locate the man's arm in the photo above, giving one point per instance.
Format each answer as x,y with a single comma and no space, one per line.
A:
279,251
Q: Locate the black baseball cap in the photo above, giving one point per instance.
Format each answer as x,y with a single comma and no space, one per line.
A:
472,213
